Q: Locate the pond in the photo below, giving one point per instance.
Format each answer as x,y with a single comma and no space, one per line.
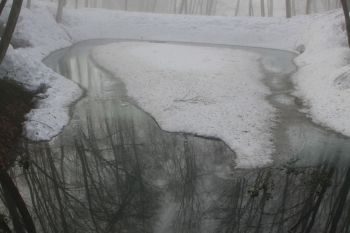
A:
113,169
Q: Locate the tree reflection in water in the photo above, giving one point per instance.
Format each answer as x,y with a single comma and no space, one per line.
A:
287,199
122,185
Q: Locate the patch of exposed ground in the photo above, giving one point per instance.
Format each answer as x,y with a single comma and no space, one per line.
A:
15,103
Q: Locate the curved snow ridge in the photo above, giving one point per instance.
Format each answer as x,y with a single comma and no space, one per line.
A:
56,94
203,90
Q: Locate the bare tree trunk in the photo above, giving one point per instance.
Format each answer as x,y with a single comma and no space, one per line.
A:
293,8
288,9
308,7
2,5
270,8
237,7
59,14
29,3
251,9
347,18
16,203
10,28
262,6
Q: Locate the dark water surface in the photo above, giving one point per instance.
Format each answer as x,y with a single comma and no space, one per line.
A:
114,170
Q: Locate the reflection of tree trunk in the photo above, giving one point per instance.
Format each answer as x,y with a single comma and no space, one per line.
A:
86,184
283,204
340,203
56,190
313,203
11,206
15,202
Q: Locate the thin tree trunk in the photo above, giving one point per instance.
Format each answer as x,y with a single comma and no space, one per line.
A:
2,5
288,9
347,18
237,7
293,8
262,6
16,201
308,7
251,9
59,14
10,28
29,3
270,8
340,203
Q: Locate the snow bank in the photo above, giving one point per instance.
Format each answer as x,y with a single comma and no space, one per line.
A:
37,34
203,90
323,74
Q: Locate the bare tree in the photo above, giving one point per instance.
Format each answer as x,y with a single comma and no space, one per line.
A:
347,18
288,9
262,6
16,205
2,5
10,27
270,8
308,6
251,9
237,7
29,3
59,14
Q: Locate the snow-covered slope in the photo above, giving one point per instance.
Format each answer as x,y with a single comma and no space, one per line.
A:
37,34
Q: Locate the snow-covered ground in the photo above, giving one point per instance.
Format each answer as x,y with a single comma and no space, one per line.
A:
214,92
37,35
321,80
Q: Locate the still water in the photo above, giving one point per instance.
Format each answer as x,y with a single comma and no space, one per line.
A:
114,170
